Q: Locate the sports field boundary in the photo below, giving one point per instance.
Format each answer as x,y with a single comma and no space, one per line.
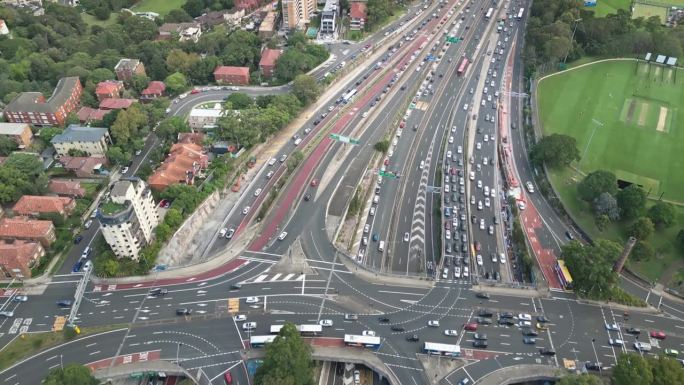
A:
538,125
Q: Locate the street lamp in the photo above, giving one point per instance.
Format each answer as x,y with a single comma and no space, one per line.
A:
572,38
177,353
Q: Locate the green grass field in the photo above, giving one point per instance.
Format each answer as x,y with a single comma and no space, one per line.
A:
92,20
162,7
624,122
647,10
605,7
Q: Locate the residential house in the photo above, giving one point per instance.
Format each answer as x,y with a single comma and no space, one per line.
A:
185,31
3,28
19,132
184,162
234,16
17,257
32,108
297,13
66,187
154,90
125,69
35,205
231,75
358,15
26,229
267,28
93,140
246,4
116,104
203,118
85,166
268,61
87,114
212,18
109,89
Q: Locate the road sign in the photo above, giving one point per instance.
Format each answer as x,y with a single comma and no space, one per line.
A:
344,139
453,39
412,105
388,174
233,305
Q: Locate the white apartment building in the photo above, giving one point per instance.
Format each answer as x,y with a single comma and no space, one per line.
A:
128,217
296,13
205,118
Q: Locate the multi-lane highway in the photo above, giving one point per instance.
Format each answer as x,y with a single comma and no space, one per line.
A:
443,120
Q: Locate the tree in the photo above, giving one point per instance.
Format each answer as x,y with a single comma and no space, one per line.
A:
579,379
102,13
555,150
606,204
140,82
631,200
70,374
7,145
305,88
100,75
170,128
642,251
642,228
193,8
287,361
28,164
632,369
602,222
680,238
177,16
382,146
128,123
596,183
176,83
666,371
140,29
179,61
47,133
117,155
662,214
591,266
239,101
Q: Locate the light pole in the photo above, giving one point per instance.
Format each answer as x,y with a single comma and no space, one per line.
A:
593,340
178,352
61,363
572,38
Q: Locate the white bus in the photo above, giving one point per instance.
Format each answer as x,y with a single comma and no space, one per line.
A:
310,330
362,341
259,341
442,349
275,329
489,13
520,13
348,96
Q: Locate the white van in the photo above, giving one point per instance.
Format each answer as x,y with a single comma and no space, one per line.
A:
85,253
381,246
422,164
642,346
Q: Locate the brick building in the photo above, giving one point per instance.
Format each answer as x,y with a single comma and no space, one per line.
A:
232,75
32,108
17,257
25,229
268,61
125,69
19,132
109,89
35,205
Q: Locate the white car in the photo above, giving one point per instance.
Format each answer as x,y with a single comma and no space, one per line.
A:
257,192
502,258
612,327
465,107
457,272
451,139
249,326
223,232
451,333
449,154
479,184
406,237
478,145
486,138
530,187
20,298
272,161
240,318
245,210
368,333
124,170
494,258
487,202
326,323
479,205
459,149
491,231
524,323
282,235
366,228
465,271
482,224
615,342
479,260
521,205
252,299
433,323
524,317
445,273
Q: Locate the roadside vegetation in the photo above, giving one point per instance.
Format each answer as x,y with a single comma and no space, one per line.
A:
287,361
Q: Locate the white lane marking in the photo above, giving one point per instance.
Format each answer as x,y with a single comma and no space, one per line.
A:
275,277
399,292
261,278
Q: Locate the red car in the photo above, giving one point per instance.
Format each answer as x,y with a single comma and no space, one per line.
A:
314,182
402,124
452,171
228,378
477,246
162,203
386,161
471,326
658,335
195,91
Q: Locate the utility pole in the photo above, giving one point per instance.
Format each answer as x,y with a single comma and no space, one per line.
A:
572,39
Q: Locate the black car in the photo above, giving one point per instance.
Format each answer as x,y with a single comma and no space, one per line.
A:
307,197
569,235
529,340
506,314
78,239
316,122
633,330
412,338
592,365
542,319
506,322
483,321
158,292
529,332
235,286
397,328
479,344
485,313
480,336
402,88
383,320
183,311
547,352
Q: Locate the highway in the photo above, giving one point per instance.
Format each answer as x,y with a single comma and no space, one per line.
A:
379,287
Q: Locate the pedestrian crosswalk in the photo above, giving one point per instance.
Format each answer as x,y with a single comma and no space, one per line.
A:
280,277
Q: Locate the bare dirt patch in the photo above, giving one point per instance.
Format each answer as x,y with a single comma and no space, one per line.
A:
662,118
643,114
630,111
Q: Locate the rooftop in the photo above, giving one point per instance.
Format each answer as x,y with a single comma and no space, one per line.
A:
269,56
229,70
28,204
126,65
12,128
75,133
110,207
33,101
155,87
116,103
358,10
21,227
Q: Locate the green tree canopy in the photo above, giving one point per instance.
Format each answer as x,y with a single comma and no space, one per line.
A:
72,374
239,101
288,360
662,214
305,88
555,150
591,266
666,371
7,146
581,379
176,83
595,183
642,228
632,369
631,200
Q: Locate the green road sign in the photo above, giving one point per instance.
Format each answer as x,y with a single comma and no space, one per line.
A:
454,39
388,174
344,139
412,105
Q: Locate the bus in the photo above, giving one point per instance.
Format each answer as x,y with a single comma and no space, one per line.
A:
348,96
442,349
489,13
310,330
520,13
463,66
275,329
362,341
259,341
563,274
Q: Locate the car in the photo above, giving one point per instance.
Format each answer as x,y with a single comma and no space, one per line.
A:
245,211
642,346
230,233
522,323
451,333
633,330
368,333
589,365
547,352
406,237
282,235
542,318
506,315
157,292
366,228
506,322
479,260
483,321
541,326
485,313
283,158
612,327
252,300
272,161
124,170
657,335
383,320
479,344
257,192
20,298
615,342
524,317
397,328
529,340
529,332
412,338
64,303
569,235
235,286
78,239
314,182
482,295
270,174
470,326
375,237
228,378
465,269
480,336
530,187
7,313
351,317
671,352
326,323
240,318
433,323
249,326
222,232
183,311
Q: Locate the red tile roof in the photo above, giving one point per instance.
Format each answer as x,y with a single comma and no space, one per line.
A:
66,187
358,10
19,254
191,137
116,104
82,163
87,114
108,87
29,204
154,88
184,160
20,227
269,57
228,70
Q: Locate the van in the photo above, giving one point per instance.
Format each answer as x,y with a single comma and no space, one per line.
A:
86,252
381,246
88,265
642,346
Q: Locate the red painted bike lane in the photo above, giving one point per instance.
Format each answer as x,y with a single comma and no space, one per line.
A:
125,359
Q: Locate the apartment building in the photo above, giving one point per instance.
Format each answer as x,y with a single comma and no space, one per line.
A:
93,140
33,108
296,13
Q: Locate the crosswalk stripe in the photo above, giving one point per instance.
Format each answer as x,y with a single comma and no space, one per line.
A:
261,278
300,278
275,277
288,277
